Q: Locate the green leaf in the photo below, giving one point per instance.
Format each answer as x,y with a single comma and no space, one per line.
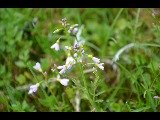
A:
99,93
20,64
21,79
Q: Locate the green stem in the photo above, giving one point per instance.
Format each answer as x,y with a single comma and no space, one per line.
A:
91,100
136,22
117,16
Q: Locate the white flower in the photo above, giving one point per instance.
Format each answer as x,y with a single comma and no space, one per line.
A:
73,30
75,55
100,65
63,69
96,60
33,88
76,44
70,60
56,46
156,97
63,81
82,51
38,67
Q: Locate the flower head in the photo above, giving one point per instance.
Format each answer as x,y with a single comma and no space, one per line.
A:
33,88
38,67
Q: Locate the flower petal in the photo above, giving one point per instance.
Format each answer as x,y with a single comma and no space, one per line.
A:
64,81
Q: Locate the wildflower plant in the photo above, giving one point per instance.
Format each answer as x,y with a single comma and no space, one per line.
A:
76,57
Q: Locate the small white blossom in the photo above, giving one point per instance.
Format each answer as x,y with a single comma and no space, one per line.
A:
156,97
82,51
69,63
70,60
100,65
38,67
69,66
55,46
63,81
63,69
96,60
33,88
73,30
76,44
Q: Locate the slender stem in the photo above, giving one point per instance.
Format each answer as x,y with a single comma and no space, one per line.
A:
83,77
117,16
92,102
136,23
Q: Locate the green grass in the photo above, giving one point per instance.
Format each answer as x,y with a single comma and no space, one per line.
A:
130,87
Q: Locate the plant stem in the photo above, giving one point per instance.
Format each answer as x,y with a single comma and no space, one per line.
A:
136,22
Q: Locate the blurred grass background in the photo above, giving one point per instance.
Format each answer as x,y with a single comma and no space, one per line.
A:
27,34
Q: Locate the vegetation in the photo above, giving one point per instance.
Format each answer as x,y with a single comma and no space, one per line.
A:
117,68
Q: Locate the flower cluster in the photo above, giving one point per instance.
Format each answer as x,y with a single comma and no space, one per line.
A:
75,54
